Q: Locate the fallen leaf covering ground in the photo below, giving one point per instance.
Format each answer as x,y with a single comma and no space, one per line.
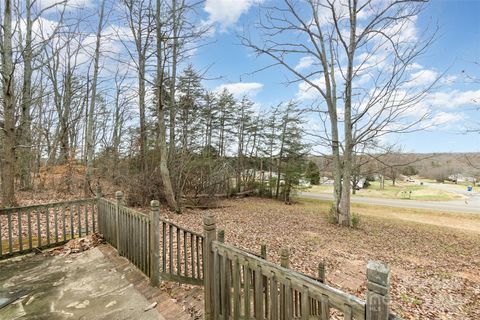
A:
435,269
434,257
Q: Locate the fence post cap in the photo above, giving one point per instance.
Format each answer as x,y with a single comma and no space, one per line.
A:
209,219
285,252
221,235
119,194
378,273
154,203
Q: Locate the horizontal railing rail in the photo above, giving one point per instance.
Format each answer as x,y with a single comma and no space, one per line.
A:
40,226
242,285
273,289
179,250
5,211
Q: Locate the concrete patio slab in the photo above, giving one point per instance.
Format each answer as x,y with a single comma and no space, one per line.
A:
77,286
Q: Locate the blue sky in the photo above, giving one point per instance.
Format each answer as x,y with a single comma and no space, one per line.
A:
454,104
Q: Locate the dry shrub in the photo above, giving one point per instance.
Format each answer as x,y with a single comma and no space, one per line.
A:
141,189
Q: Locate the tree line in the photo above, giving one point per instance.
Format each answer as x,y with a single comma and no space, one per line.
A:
143,120
111,88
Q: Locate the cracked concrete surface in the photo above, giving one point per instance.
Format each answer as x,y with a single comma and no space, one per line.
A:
80,286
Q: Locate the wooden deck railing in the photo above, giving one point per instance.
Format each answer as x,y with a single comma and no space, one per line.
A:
240,285
161,249
127,230
24,229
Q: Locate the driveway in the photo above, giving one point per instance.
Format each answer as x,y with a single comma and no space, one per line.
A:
470,205
77,286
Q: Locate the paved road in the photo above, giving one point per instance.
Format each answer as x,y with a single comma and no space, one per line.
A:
469,205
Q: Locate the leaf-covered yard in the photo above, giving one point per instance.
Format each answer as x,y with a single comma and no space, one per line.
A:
435,268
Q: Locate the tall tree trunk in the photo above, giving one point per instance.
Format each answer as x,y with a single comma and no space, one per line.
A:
344,217
141,106
90,125
173,106
280,155
25,135
8,165
164,171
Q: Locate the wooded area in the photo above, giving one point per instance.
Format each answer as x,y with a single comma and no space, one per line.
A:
163,135
110,93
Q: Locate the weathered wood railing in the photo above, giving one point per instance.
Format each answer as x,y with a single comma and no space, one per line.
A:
127,230
25,229
182,254
160,248
240,285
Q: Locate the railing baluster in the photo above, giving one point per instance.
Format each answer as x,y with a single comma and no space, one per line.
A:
216,285
259,310
71,210
55,217
192,253
247,275
197,251
325,313
64,224
179,265
273,297
170,252
79,217
10,235
86,218
288,300
1,240
164,245
39,228
347,312
29,228
185,259
47,221
236,289
94,213
305,303
20,231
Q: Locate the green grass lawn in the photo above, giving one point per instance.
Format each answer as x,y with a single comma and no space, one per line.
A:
400,191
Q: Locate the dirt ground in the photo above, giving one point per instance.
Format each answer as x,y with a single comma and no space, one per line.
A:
435,266
434,256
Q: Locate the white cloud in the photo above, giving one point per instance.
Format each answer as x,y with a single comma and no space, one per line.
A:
453,99
120,33
304,63
446,118
307,92
422,78
59,4
240,89
227,12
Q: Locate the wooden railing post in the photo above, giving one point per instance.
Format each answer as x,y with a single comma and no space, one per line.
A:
210,235
155,242
98,196
263,251
98,192
119,197
221,235
285,258
321,272
284,291
378,296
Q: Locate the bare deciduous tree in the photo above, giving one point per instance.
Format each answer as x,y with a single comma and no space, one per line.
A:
356,58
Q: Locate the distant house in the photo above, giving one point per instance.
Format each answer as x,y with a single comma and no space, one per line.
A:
460,178
361,183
